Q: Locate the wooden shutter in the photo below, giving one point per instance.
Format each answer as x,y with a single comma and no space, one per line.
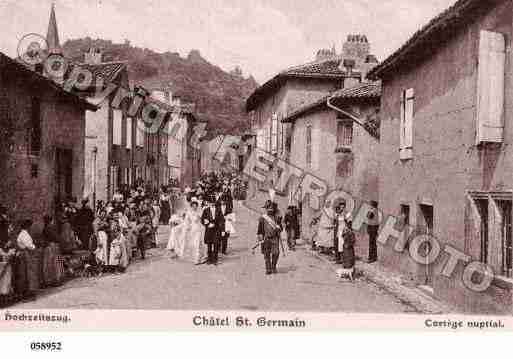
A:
495,236
408,118
472,229
490,87
402,120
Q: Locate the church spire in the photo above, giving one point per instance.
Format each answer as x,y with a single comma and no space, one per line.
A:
52,37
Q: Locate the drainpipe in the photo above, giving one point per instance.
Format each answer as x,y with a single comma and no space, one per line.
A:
355,119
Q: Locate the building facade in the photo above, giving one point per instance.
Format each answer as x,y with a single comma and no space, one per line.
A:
446,135
42,143
332,140
301,85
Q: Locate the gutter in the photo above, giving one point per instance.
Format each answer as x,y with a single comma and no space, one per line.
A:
355,119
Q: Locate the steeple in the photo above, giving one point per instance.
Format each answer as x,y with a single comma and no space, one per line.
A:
52,37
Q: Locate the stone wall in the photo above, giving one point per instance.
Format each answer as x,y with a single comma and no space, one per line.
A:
446,164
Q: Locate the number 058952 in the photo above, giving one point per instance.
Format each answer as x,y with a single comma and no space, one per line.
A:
46,346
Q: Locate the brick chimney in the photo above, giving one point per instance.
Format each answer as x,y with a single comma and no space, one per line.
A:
94,56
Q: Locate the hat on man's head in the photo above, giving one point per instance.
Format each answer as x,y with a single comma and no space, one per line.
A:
269,205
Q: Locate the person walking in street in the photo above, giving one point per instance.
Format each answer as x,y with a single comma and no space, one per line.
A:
340,226
226,211
348,236
326,228
268,233
372,231
211,219
290,228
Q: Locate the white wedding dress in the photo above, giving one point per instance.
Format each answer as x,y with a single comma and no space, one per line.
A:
193,249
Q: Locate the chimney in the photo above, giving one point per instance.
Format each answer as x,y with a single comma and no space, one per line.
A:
325,54
356,47
94,56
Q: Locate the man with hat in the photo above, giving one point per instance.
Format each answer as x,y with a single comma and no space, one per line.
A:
213,220
84,223
290,227
268,233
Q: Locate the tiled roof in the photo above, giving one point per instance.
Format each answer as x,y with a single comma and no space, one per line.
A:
107,70
326,69
361,91
462,11
365,90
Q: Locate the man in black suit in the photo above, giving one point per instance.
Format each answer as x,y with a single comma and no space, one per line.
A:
227,197
225,210
212,219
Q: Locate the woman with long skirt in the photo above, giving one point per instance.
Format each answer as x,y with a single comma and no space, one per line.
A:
348,236
24,283
195,231
326,229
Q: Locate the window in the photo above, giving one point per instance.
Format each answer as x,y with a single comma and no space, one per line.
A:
309,145
113,179
34,171
35,128
344,134
490,88
260,139
128,133
406,124
488,230
345,165
274,134
117,127
139,134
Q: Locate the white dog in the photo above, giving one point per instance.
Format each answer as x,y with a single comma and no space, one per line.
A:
342,272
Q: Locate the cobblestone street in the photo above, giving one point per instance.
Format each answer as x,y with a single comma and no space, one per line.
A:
304,283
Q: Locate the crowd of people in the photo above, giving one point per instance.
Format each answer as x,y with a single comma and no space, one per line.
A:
80,240
332,234
201,231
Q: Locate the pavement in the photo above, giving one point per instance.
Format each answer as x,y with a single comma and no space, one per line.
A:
305,282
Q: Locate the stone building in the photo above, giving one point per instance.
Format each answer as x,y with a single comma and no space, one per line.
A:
42,132
336,140
446,154
120,150
301,85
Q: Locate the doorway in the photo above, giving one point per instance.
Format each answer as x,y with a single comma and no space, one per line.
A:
426,227
63,174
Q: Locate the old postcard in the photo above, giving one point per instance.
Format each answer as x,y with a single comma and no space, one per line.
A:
252,166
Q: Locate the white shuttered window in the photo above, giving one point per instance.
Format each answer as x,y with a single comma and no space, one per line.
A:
406,124
117,127
490,87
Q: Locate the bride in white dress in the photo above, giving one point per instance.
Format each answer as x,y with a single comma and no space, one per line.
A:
193,233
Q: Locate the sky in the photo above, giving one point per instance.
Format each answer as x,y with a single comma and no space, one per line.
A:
261,36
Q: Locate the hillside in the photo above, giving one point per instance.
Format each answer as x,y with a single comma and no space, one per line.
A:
219,96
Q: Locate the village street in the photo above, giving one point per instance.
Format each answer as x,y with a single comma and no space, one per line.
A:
304,283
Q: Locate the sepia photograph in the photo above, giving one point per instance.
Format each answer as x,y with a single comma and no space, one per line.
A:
272,164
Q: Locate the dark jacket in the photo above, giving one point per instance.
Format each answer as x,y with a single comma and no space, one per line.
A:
212,234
